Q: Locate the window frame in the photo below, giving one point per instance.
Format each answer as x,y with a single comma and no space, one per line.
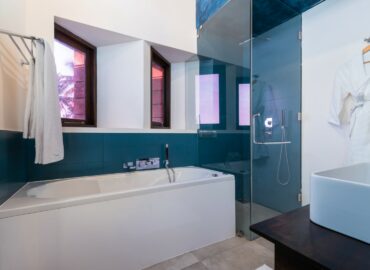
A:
157,58
65,36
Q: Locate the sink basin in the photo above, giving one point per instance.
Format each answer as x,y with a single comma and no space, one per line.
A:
340,200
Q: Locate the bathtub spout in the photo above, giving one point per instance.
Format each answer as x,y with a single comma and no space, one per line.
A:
168,168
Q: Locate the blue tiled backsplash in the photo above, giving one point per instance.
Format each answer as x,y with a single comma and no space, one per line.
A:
88,154
101,153
13,158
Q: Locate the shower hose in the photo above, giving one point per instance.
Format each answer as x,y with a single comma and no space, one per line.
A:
283,155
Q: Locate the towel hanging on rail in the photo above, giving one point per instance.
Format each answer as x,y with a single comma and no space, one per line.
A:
42,115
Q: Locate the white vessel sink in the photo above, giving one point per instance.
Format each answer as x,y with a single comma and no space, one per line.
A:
340,200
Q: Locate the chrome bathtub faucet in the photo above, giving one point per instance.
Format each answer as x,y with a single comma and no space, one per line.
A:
130,166
167,166
143,164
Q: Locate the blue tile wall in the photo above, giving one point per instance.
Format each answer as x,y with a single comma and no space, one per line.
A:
12,163
225,147
88,154
83,156
100,153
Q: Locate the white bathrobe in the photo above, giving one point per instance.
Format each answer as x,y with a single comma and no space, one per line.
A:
42,114
353,80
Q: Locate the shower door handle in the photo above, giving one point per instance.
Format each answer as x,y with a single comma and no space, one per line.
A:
254,134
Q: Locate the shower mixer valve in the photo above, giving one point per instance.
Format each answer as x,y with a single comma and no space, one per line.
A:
268,126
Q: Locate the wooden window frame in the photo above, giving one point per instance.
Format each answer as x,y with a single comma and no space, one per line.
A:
65,36
157,58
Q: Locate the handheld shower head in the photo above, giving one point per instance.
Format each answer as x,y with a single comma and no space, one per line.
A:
282,118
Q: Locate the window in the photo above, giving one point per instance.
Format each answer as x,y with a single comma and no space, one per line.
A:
244,104
160,91
208,104
76,69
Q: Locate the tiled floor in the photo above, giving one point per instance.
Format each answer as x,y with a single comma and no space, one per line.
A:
259,213
233,254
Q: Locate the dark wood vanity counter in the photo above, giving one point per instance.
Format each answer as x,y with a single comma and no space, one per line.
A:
301,244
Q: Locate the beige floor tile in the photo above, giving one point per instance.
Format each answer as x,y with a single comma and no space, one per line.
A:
216,248
177,263
215,263
197,266
248,256
267,244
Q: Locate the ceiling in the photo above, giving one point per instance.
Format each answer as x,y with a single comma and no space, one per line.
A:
270,13
266,13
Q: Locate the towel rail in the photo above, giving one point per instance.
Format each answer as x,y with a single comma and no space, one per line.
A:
12,36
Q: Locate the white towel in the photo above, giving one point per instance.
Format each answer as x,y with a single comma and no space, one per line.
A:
264,267
42,115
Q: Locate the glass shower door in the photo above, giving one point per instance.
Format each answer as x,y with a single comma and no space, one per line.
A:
276,126
223,96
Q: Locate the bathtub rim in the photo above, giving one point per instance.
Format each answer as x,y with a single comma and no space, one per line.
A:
50,205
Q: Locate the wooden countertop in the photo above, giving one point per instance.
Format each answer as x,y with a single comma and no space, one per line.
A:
323,247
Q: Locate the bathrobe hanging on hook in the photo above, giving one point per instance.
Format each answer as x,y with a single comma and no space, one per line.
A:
353,81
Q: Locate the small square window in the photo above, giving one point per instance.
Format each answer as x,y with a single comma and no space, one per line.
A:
160,91
75,60
208,98
244,104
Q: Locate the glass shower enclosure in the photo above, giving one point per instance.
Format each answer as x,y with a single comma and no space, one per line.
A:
247,90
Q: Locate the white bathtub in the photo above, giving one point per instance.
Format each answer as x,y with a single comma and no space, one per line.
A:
119,221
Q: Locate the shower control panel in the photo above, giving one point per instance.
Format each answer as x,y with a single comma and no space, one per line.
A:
148,163
268,126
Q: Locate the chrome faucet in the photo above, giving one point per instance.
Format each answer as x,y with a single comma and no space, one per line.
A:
167,166
129,166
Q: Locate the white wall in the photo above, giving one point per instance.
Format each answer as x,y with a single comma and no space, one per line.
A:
178,95
13,77
332,33
164,22
124,87
120,86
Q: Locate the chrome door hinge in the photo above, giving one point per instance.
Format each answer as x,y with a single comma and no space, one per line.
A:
299,116
300,35
299,197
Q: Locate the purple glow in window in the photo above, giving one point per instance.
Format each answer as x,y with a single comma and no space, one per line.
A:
207,87
71,69
158,88
244,104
